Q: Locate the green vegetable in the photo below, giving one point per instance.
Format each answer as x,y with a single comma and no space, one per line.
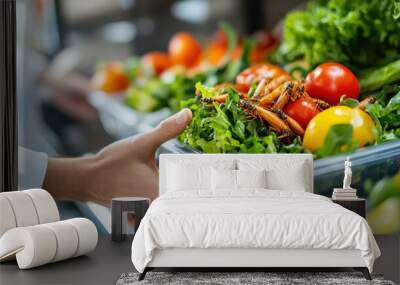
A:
149,97
205,91
234,67
357,33
396,13
349,102
153,94
377,78
386,93
182,88
387,118
132,67
231,35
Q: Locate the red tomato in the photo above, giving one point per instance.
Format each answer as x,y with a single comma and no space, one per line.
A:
159,61
265,43
184,49
257,72
111,79
329,81
302,110
215,52
218,47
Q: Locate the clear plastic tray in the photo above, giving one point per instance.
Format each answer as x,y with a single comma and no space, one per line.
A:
369,163
119,120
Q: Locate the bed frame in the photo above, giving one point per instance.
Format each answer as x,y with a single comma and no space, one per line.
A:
248,259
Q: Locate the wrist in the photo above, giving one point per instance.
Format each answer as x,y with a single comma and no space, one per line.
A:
69,178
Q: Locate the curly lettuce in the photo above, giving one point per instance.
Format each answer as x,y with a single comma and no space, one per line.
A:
357,33
387,118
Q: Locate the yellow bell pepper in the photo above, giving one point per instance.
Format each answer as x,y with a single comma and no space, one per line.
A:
364,130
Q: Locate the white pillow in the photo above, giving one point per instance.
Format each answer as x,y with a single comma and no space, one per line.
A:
293,178
182,177
251,178
223,179
282,174
226,179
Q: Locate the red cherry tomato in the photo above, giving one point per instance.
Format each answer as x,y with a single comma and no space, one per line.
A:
184,49
257,72
218,47
111,79
330,81
265,43
159,61
215,52
302,110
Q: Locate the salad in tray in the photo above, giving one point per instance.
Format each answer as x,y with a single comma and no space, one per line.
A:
266,110
162,79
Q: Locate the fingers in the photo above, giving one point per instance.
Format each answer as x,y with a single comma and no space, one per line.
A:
166,130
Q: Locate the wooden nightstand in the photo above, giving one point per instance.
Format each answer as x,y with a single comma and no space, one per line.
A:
357,205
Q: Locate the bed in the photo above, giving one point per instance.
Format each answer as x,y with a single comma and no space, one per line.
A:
246,211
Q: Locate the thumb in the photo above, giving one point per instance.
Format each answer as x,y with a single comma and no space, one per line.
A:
166,130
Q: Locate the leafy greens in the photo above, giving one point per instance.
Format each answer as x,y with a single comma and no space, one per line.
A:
386,117
376,78
357,33
223,128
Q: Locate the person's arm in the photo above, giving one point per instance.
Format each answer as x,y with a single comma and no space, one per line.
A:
66,177
124,168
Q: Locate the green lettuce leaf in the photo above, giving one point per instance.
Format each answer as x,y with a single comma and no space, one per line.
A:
387,118
357,33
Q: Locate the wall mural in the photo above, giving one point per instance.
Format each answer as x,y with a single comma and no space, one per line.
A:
317,90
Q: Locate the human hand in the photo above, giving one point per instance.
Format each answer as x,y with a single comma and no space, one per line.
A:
124,168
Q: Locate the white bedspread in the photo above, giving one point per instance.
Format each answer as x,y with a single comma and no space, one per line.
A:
250,219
